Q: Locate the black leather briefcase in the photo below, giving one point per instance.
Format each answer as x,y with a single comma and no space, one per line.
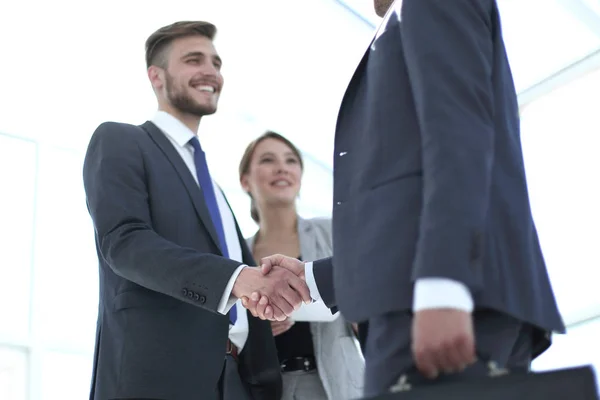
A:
566,384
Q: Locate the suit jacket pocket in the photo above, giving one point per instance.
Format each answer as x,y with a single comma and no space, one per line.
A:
143,298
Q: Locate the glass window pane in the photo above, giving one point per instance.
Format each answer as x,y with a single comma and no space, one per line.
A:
66,267
65,376
17,178
561,147
316,196
363,8
594,5
536,48
13,374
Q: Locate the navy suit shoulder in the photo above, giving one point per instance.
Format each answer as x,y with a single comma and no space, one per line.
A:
133,242
429,178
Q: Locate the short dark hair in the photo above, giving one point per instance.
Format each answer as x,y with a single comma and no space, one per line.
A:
246,160
158,43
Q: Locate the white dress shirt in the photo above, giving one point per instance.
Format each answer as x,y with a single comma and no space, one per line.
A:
429,292
179,135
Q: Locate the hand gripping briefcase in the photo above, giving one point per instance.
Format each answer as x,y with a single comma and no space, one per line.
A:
567,384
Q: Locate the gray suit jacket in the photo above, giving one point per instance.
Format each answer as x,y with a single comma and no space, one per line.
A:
339,359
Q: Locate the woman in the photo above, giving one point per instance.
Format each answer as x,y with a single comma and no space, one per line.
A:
319,360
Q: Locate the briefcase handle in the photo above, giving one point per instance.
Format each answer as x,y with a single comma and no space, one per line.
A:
403,384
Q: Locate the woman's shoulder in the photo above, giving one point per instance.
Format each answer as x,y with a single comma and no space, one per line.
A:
323,223
321,227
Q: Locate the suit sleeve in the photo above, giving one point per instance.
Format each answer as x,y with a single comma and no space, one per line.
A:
323,274
449,54
117,195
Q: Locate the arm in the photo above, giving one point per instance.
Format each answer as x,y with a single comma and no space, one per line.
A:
117,196
449,54
319,278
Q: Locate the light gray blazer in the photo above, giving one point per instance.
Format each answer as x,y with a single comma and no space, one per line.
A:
339,360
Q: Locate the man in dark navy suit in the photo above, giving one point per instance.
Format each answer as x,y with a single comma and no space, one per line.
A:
435,248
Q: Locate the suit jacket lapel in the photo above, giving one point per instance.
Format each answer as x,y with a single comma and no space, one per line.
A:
395,8
247,257
186,178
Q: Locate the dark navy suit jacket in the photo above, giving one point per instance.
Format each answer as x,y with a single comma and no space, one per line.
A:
162,275
429,178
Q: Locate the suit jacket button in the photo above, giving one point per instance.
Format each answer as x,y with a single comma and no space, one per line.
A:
184,292
202,300
190,294
196,297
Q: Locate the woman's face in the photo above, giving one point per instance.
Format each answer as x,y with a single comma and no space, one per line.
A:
274,175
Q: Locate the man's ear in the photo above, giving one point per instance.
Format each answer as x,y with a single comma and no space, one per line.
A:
156,76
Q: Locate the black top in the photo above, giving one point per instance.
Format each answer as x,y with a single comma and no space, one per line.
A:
295,342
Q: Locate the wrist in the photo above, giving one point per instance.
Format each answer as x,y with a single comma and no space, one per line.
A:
302,274
241,286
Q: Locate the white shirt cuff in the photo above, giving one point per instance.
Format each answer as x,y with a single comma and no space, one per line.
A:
441,293
228,300
310,281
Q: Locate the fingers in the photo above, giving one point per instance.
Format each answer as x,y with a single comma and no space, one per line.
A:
251,303
426,364
446,359
282,294
465,350
266,268
259,307
290,297
285,292
301,288
459,356
443,341
284,298
294,265
266,311
267,263
450,361
271,315
281,327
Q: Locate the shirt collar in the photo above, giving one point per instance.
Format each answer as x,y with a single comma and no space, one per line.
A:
173,128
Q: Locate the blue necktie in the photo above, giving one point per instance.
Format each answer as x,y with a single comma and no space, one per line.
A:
210,199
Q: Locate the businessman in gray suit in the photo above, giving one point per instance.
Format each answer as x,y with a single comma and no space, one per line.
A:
435,250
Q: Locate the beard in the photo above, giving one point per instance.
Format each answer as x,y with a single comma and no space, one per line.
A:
182,101
381,6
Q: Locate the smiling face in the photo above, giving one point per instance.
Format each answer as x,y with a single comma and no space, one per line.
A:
191,82
274,174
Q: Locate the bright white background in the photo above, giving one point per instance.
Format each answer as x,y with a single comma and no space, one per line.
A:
69,65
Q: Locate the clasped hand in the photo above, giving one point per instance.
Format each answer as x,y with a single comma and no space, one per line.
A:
443,340
275,290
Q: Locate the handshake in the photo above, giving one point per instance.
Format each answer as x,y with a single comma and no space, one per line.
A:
274,290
